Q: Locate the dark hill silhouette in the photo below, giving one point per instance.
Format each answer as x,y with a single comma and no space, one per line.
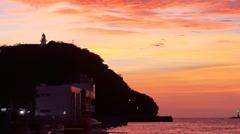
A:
27,65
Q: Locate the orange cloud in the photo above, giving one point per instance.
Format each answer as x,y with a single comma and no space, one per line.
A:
67,11
189,23
225,7
101,31
40,2
151,14
163,23
213,6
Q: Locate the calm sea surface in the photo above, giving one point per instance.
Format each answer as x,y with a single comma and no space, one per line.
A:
184,126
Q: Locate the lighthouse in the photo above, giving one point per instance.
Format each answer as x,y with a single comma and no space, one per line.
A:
43,40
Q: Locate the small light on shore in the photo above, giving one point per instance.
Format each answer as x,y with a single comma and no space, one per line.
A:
22,111
3,109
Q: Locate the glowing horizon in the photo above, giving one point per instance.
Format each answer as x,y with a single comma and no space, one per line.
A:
182,53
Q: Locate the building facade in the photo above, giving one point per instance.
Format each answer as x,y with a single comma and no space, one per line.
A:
68,101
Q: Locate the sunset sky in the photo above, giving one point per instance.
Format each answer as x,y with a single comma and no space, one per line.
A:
183,53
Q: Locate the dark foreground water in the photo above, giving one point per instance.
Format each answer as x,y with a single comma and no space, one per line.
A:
184,126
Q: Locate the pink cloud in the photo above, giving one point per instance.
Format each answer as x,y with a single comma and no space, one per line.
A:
225,4
40,3
163,23
142,14
102,31
141,6
67,11
198,24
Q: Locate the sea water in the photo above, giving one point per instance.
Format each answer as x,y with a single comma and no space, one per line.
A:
183,126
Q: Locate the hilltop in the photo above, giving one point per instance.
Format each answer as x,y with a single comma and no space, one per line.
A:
26,65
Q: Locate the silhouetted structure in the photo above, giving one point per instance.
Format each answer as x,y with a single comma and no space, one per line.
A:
43,40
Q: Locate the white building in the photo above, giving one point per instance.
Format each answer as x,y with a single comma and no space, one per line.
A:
69,101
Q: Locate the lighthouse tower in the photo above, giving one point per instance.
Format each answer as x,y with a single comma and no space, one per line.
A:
43,40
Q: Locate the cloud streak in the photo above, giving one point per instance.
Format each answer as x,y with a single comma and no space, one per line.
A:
67,11
102,31
213,6
163,23
151,13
